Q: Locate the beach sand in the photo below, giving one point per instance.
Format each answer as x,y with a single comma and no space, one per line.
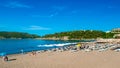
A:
66,59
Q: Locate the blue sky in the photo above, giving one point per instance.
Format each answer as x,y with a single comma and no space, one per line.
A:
50,16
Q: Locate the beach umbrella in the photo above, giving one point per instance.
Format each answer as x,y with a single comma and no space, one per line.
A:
3,54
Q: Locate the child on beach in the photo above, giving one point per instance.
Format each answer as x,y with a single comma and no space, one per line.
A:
5,58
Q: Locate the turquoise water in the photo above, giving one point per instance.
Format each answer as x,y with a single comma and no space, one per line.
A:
12,46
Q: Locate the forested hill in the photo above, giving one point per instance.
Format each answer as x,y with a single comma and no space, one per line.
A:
21,35
81,34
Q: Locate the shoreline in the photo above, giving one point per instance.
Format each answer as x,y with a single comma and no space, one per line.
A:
101,41
68,48
90,44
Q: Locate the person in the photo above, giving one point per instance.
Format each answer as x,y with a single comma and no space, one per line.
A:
22,51
33,53
5,58
78,46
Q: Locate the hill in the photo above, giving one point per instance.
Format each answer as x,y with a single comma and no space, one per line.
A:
16,35
80,34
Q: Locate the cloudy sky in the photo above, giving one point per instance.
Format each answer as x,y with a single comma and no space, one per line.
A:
50,16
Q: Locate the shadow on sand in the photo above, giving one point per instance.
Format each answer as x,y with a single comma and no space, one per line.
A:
11,59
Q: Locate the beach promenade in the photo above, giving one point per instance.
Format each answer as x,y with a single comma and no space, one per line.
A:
66,59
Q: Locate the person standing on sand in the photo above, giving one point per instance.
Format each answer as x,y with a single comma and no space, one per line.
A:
33,53
78,46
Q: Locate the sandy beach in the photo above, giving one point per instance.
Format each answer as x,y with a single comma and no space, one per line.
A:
66,59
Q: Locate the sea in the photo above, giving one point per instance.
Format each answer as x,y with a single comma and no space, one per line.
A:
15,46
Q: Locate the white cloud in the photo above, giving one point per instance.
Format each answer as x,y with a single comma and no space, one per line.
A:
17,5
34,27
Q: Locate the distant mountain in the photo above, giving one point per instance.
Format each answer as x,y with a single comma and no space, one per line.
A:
16,35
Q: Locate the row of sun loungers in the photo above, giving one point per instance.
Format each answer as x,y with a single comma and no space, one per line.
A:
87,47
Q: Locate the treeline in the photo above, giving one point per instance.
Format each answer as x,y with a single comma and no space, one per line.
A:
4,34
81,34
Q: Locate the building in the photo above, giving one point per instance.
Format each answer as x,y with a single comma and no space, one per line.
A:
117,36
116,32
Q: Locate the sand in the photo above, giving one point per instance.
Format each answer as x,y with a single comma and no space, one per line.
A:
66,59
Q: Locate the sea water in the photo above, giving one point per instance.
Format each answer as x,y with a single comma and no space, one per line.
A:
13,46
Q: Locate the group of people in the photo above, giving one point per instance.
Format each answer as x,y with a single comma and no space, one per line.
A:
81,46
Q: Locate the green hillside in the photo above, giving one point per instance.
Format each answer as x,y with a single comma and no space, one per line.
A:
4,34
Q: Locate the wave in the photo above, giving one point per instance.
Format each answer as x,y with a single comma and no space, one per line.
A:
57,45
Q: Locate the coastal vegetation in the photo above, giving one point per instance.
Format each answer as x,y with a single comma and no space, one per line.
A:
80,34
68,35
16,35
